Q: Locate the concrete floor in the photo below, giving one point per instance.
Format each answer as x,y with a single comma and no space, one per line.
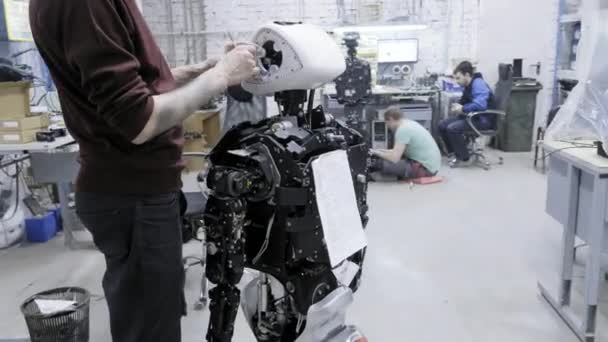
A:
457,261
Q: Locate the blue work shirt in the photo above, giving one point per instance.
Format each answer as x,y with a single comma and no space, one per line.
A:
481,93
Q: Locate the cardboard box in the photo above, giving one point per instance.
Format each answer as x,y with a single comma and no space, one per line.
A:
196,164
21,137
15,99
202,131
24,124
195,142
211,127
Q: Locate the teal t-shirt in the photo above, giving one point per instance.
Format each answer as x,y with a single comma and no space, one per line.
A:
420,145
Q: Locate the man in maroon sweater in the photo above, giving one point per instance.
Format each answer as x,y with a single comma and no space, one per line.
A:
124,106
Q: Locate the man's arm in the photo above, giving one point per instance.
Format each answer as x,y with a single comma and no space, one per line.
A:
185,74
102,50
394,155
173,108
481,96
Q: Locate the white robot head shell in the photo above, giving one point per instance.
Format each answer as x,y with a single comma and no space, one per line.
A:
298,57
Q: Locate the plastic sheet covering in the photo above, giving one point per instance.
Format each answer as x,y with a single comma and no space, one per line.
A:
585,113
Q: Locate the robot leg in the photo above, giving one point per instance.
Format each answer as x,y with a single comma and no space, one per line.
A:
225,263
224,306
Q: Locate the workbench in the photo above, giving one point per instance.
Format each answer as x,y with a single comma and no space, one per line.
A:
577,198
418,104
53,162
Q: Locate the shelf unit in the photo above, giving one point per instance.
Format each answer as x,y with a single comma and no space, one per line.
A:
569,35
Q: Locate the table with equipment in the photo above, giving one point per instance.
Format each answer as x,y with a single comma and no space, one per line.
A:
577,198
53,162
419,104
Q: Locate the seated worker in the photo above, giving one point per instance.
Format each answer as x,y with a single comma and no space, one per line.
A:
476,97
415,154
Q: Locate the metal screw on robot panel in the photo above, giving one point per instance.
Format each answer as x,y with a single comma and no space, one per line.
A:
262,210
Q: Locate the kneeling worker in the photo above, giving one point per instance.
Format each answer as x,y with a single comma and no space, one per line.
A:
415,154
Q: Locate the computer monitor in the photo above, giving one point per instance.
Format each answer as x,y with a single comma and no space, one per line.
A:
398,51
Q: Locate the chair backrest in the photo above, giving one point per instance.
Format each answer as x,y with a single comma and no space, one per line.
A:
504,86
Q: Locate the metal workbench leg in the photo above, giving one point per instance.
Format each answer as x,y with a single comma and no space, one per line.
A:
568,238
593,266
561,305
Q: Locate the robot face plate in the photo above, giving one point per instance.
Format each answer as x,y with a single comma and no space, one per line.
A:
298,57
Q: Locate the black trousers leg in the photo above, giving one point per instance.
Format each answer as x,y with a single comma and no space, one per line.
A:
140,237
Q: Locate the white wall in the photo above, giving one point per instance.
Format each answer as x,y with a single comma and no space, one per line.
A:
520,29
168,20
487,31
463,31
452,34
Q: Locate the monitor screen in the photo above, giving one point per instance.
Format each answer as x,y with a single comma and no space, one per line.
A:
398,51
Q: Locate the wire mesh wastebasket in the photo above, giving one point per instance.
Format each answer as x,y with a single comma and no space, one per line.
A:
68,325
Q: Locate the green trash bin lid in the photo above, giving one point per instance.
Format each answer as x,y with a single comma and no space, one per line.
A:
527,84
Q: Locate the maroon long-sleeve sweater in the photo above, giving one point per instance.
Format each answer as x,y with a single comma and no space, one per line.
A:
106,66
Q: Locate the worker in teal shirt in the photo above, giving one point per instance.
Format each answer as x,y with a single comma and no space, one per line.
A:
415,153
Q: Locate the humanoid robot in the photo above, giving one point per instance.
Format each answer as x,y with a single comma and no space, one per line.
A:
263,212
354,87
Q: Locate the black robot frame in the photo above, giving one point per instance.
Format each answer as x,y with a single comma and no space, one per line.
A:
262,214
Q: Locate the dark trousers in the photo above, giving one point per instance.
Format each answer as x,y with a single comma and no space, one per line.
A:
140,237
452,132
404,169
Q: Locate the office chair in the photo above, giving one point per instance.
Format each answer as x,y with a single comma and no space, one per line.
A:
498,106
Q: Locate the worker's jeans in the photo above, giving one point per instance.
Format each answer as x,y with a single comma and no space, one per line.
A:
140,237
404,169
452,132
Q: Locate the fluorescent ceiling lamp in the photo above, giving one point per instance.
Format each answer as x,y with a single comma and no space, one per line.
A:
380,28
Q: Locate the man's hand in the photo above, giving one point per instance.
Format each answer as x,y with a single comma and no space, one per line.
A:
173,108
187,73
457,108
377,152
239,64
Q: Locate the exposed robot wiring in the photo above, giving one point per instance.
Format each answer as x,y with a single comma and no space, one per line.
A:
266,241
311,102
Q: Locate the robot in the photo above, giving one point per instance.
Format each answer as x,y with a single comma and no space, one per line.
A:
262,215
354,87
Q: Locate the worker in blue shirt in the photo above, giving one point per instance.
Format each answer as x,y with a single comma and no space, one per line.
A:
477,96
